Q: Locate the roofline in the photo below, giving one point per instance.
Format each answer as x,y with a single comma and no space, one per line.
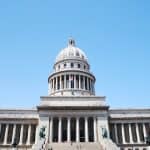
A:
129,109
72,108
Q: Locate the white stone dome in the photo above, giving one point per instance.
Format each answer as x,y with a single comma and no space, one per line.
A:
71,52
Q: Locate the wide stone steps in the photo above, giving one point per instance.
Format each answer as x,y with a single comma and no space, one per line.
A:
109,145
74,146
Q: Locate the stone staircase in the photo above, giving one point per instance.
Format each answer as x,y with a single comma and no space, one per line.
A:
109,145
106,144
42,145
74,146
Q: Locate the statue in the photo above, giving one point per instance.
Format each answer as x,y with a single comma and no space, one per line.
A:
42,132
148,139
104,133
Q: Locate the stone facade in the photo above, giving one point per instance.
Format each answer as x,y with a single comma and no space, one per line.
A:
71,117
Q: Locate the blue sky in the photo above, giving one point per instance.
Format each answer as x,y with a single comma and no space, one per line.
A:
115,35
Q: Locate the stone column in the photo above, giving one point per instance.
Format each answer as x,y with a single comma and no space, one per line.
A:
130,134
95,133
51,130
116,133
90,85
70,79
6,134
93,87
56,83
86,130
137,133
84,82
29,134
87,83
68,130
144,131
79,82
64,81
49,87
60,82
13,134
53,85
59,129
75,86
77,129
123,135
36,134
0,128
21,135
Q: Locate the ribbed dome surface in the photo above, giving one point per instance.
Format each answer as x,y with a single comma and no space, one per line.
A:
71,52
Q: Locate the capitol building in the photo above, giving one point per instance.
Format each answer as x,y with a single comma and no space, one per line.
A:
71,116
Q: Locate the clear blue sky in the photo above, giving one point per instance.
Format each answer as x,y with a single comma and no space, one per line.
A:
115,35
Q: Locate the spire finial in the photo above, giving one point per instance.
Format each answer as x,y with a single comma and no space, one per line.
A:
71,42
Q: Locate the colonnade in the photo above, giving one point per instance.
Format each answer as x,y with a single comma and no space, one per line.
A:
71,81
18,133
129,133
67,129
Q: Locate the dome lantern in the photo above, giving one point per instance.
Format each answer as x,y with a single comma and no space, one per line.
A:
71,42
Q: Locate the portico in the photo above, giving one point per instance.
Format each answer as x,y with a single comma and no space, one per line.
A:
74,123
72,129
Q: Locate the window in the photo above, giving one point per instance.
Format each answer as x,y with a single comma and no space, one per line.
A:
65,65
72,65
84,67
77,53
82,56
58,67
78,65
